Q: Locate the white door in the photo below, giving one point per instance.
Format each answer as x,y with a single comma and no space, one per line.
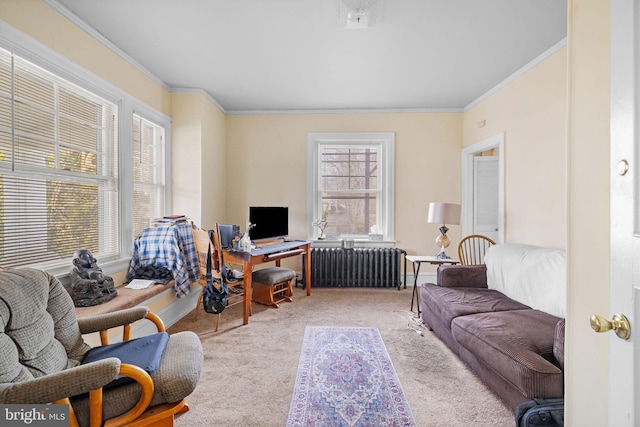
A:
470,222
485,196
625,212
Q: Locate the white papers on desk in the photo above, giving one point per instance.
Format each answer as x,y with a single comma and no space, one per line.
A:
140,284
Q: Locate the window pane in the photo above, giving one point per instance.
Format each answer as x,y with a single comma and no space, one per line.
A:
353,214
32,120
348,168
34,152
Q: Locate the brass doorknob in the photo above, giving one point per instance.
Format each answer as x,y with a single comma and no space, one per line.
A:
619,324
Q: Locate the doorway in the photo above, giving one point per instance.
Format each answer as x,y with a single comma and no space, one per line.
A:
483,188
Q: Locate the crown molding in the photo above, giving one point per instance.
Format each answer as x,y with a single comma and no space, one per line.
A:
62,10
346,111
200,92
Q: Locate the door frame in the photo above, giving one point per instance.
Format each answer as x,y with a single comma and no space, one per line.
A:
466,216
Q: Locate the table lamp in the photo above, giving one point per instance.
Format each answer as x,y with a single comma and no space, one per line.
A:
443,213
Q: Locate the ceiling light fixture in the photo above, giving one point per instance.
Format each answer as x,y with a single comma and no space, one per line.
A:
357,14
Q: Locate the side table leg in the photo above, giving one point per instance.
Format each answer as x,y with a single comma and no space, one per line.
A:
415,296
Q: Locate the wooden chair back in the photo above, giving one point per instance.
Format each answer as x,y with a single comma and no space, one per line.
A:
202,244
472,249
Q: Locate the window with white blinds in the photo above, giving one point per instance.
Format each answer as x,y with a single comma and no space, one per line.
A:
58,168
148,173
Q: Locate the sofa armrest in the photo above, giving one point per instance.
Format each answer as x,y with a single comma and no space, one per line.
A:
462,276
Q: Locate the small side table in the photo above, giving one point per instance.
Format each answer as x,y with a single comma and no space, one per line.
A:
416,261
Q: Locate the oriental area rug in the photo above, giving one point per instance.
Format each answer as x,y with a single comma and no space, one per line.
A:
345,378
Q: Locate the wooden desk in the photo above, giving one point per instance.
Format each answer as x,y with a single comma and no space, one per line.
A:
268,253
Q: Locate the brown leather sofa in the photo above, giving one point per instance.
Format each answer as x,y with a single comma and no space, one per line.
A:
514,345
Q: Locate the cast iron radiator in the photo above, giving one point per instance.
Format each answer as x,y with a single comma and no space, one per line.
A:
356,268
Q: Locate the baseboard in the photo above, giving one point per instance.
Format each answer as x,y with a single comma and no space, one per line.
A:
429,277
169,314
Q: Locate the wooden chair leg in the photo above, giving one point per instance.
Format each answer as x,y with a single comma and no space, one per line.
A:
195,315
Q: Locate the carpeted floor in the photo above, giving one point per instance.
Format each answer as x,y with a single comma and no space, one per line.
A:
250,371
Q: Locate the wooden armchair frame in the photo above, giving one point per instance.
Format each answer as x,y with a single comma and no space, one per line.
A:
141,414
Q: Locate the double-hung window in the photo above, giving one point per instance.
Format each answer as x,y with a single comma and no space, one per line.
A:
58,168
82,163
351,184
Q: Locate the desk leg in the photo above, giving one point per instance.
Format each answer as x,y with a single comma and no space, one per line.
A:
247,291
415,296
306,259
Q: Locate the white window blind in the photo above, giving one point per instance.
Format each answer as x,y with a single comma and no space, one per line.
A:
148,173
58,168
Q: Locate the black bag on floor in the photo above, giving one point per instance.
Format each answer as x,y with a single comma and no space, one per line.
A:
214,300
540,412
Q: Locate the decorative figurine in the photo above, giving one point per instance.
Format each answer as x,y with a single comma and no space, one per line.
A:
89,285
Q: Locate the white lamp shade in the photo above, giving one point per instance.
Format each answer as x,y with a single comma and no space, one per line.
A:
444,213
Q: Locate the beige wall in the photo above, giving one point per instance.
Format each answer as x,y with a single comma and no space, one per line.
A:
186,154
269,158
531,111
213,165
198,159
587,375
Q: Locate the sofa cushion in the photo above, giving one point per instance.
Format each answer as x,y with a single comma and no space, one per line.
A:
533,275
518,345
449,303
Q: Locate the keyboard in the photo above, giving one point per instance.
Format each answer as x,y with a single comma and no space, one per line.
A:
277,247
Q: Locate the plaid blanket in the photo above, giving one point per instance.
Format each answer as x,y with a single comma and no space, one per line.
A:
171,247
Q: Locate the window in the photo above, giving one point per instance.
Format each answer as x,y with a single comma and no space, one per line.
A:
83,164
58,168
148,173
351,183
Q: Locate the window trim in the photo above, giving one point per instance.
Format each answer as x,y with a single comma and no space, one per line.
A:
43,56
385,141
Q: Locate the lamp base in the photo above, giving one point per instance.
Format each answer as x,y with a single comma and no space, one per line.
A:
443,242
442,255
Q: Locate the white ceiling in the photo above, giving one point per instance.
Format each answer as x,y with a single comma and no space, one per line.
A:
284,55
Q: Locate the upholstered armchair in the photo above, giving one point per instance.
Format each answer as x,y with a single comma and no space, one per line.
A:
42,350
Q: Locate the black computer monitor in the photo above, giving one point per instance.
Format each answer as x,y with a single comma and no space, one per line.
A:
271,222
